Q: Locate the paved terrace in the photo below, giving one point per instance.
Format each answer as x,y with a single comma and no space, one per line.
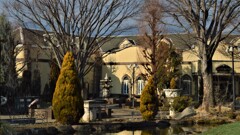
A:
118,115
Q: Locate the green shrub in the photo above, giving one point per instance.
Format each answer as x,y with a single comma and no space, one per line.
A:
164,105
6,129
54,73
180,103
36,83
172,83
238,117
149,101
231,115
25,86
67,102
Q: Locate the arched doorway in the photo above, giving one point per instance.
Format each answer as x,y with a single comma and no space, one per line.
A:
222,84
186,85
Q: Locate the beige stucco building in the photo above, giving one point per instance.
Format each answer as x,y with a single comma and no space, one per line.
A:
123,59
124,65
34,54
125,68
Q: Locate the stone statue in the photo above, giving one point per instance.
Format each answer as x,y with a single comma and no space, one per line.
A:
105,85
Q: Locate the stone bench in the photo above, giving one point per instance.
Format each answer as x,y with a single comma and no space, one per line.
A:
109,108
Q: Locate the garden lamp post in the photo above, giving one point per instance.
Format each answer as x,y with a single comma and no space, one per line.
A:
233,78
231,50
1,77
133,77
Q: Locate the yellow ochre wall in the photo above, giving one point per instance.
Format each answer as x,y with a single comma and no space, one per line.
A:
43,67
218,59
191,63
123,59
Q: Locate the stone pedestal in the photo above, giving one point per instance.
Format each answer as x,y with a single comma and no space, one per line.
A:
91,109
172,112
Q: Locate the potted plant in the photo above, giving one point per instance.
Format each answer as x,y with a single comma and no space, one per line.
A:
172,91
170,75
169,79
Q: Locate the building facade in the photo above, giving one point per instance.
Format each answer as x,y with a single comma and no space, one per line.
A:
123,60
124,65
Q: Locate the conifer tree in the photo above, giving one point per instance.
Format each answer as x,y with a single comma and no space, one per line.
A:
36,83
54,73
67,102
149,101
8,74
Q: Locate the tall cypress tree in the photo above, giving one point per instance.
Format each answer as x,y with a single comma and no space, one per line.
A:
36,83
67,102
54,73
8,75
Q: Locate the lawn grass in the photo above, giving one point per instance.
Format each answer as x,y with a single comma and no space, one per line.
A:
226,129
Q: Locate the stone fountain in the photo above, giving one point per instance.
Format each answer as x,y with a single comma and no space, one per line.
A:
105,87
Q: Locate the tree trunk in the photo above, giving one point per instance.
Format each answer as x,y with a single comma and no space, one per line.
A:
207,83
83,89
200,89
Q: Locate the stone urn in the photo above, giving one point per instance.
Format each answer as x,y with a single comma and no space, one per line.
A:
171,94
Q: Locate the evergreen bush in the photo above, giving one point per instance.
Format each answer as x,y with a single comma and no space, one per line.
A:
25,86
54,73
36,83
67,102
172,83
149,101
6,129
231,115
180,103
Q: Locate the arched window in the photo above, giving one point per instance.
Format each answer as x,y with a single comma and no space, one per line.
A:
224,69
186,85
125,85
140,85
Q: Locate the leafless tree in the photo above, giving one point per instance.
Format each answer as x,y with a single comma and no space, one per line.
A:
157,48
151,34
149,25
211,21
80,26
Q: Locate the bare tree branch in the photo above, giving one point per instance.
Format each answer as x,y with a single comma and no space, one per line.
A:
211,22
80,26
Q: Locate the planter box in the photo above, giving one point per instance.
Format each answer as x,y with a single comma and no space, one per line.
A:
170,93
